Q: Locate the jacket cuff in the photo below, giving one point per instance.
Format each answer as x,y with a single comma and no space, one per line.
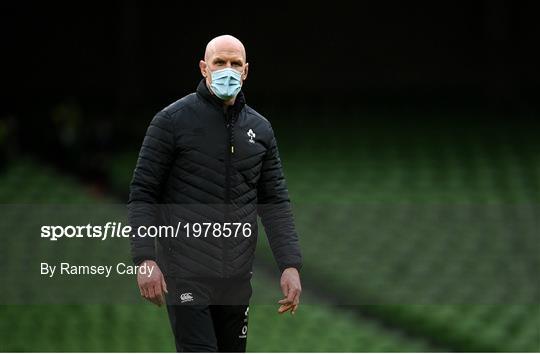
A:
140,257
282,267
138,260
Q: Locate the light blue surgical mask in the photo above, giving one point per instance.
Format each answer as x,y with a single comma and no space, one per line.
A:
226,83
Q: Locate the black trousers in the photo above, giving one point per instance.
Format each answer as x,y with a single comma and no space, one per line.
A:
208,315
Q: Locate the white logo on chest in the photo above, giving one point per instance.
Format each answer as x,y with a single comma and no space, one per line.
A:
251,135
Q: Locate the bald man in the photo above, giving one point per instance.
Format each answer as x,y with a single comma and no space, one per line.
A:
208,167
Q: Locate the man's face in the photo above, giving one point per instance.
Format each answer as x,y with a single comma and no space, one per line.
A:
222,59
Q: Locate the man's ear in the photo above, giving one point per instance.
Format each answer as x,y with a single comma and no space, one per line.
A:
246,69
203,66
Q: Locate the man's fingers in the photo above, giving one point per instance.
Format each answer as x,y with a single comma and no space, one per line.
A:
294,308
284,308
291,295
145,291
153,297
154,292
158,294
296,300
291,288
157,290
283,301
290,302
151,293
153,288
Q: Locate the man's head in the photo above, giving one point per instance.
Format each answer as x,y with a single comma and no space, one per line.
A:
224,52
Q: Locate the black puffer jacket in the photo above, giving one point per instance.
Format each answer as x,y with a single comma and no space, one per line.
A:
199,163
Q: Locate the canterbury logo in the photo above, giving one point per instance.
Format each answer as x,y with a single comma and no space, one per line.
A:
186,297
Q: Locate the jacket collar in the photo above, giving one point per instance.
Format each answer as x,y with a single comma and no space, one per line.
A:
205,93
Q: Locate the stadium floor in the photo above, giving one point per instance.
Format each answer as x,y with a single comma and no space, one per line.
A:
375,277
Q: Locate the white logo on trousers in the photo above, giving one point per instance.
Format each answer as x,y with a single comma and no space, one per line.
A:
245,327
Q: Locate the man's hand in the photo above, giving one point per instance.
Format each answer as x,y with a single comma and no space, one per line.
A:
153,288
291,288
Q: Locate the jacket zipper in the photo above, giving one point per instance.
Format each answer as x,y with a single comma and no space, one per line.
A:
228,166
229,147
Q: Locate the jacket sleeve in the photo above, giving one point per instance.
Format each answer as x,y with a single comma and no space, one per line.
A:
275,211
153,166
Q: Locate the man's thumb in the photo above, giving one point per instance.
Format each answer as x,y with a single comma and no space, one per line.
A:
164,284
